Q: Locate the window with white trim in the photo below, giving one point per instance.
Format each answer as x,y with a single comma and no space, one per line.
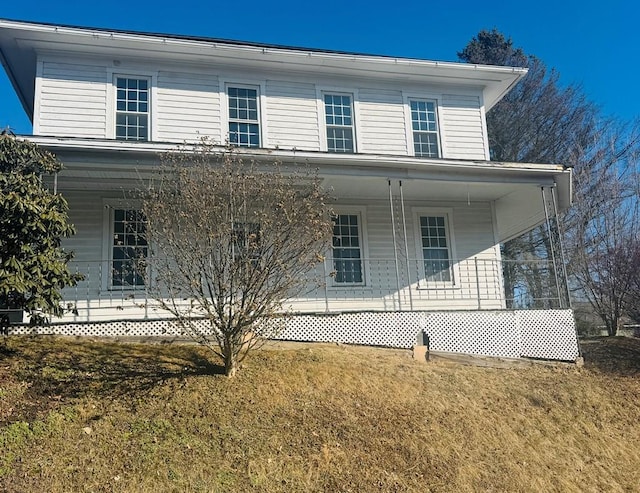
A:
132,108
347,249
424,127
247,243
128,249
244,116
436,248
338,110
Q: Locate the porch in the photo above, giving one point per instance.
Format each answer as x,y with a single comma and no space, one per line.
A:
472,312
388,285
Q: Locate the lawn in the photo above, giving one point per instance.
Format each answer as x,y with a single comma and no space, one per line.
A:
80,415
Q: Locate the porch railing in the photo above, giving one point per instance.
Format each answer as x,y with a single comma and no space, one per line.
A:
383,284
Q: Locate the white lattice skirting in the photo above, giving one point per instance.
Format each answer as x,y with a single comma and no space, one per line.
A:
544,334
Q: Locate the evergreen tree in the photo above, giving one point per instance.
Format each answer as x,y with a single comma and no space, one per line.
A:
33,221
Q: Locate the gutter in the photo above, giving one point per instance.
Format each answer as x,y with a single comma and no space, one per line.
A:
153,149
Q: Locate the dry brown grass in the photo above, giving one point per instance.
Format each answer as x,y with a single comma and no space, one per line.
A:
90,416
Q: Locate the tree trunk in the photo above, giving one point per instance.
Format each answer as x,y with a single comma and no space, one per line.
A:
231,368
614,325
230,358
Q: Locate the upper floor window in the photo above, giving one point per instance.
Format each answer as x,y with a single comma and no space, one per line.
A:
244,117
338,111
132,108
424,125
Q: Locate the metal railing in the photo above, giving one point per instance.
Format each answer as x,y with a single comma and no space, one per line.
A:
383,284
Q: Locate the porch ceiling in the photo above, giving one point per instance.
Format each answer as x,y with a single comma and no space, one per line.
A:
417,189
518,206
513,188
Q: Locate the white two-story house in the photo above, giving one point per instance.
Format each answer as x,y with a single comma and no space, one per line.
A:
420,208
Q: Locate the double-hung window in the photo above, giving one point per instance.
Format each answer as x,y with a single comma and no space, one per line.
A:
132,108
129,249
338,110
347,250
246,243
436,248
244,116
424,127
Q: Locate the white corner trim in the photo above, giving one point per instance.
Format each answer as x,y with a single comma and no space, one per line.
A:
38,96
485,134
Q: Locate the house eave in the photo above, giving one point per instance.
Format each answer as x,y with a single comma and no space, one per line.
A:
24,39
26,102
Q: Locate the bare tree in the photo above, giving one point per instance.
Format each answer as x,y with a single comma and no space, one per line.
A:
543,121
633,299
538,121
606,246
231,241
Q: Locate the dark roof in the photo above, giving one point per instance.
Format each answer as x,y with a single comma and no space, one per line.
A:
205,39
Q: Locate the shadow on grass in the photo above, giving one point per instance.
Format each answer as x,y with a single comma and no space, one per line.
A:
617,355
61,369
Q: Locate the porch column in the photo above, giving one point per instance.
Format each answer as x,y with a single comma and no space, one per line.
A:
553,244
561,246
406,247
395,246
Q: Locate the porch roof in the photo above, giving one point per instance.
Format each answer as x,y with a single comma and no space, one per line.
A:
513,188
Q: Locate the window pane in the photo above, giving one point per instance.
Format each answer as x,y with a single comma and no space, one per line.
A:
339,139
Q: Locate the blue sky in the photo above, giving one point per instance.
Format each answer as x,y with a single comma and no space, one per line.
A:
587,42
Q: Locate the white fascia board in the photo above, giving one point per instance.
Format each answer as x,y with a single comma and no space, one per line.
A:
349,163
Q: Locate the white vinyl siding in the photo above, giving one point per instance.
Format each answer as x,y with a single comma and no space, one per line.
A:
471,238
292,115
72,100
462,127
189,102
473,229
187,107
381,123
